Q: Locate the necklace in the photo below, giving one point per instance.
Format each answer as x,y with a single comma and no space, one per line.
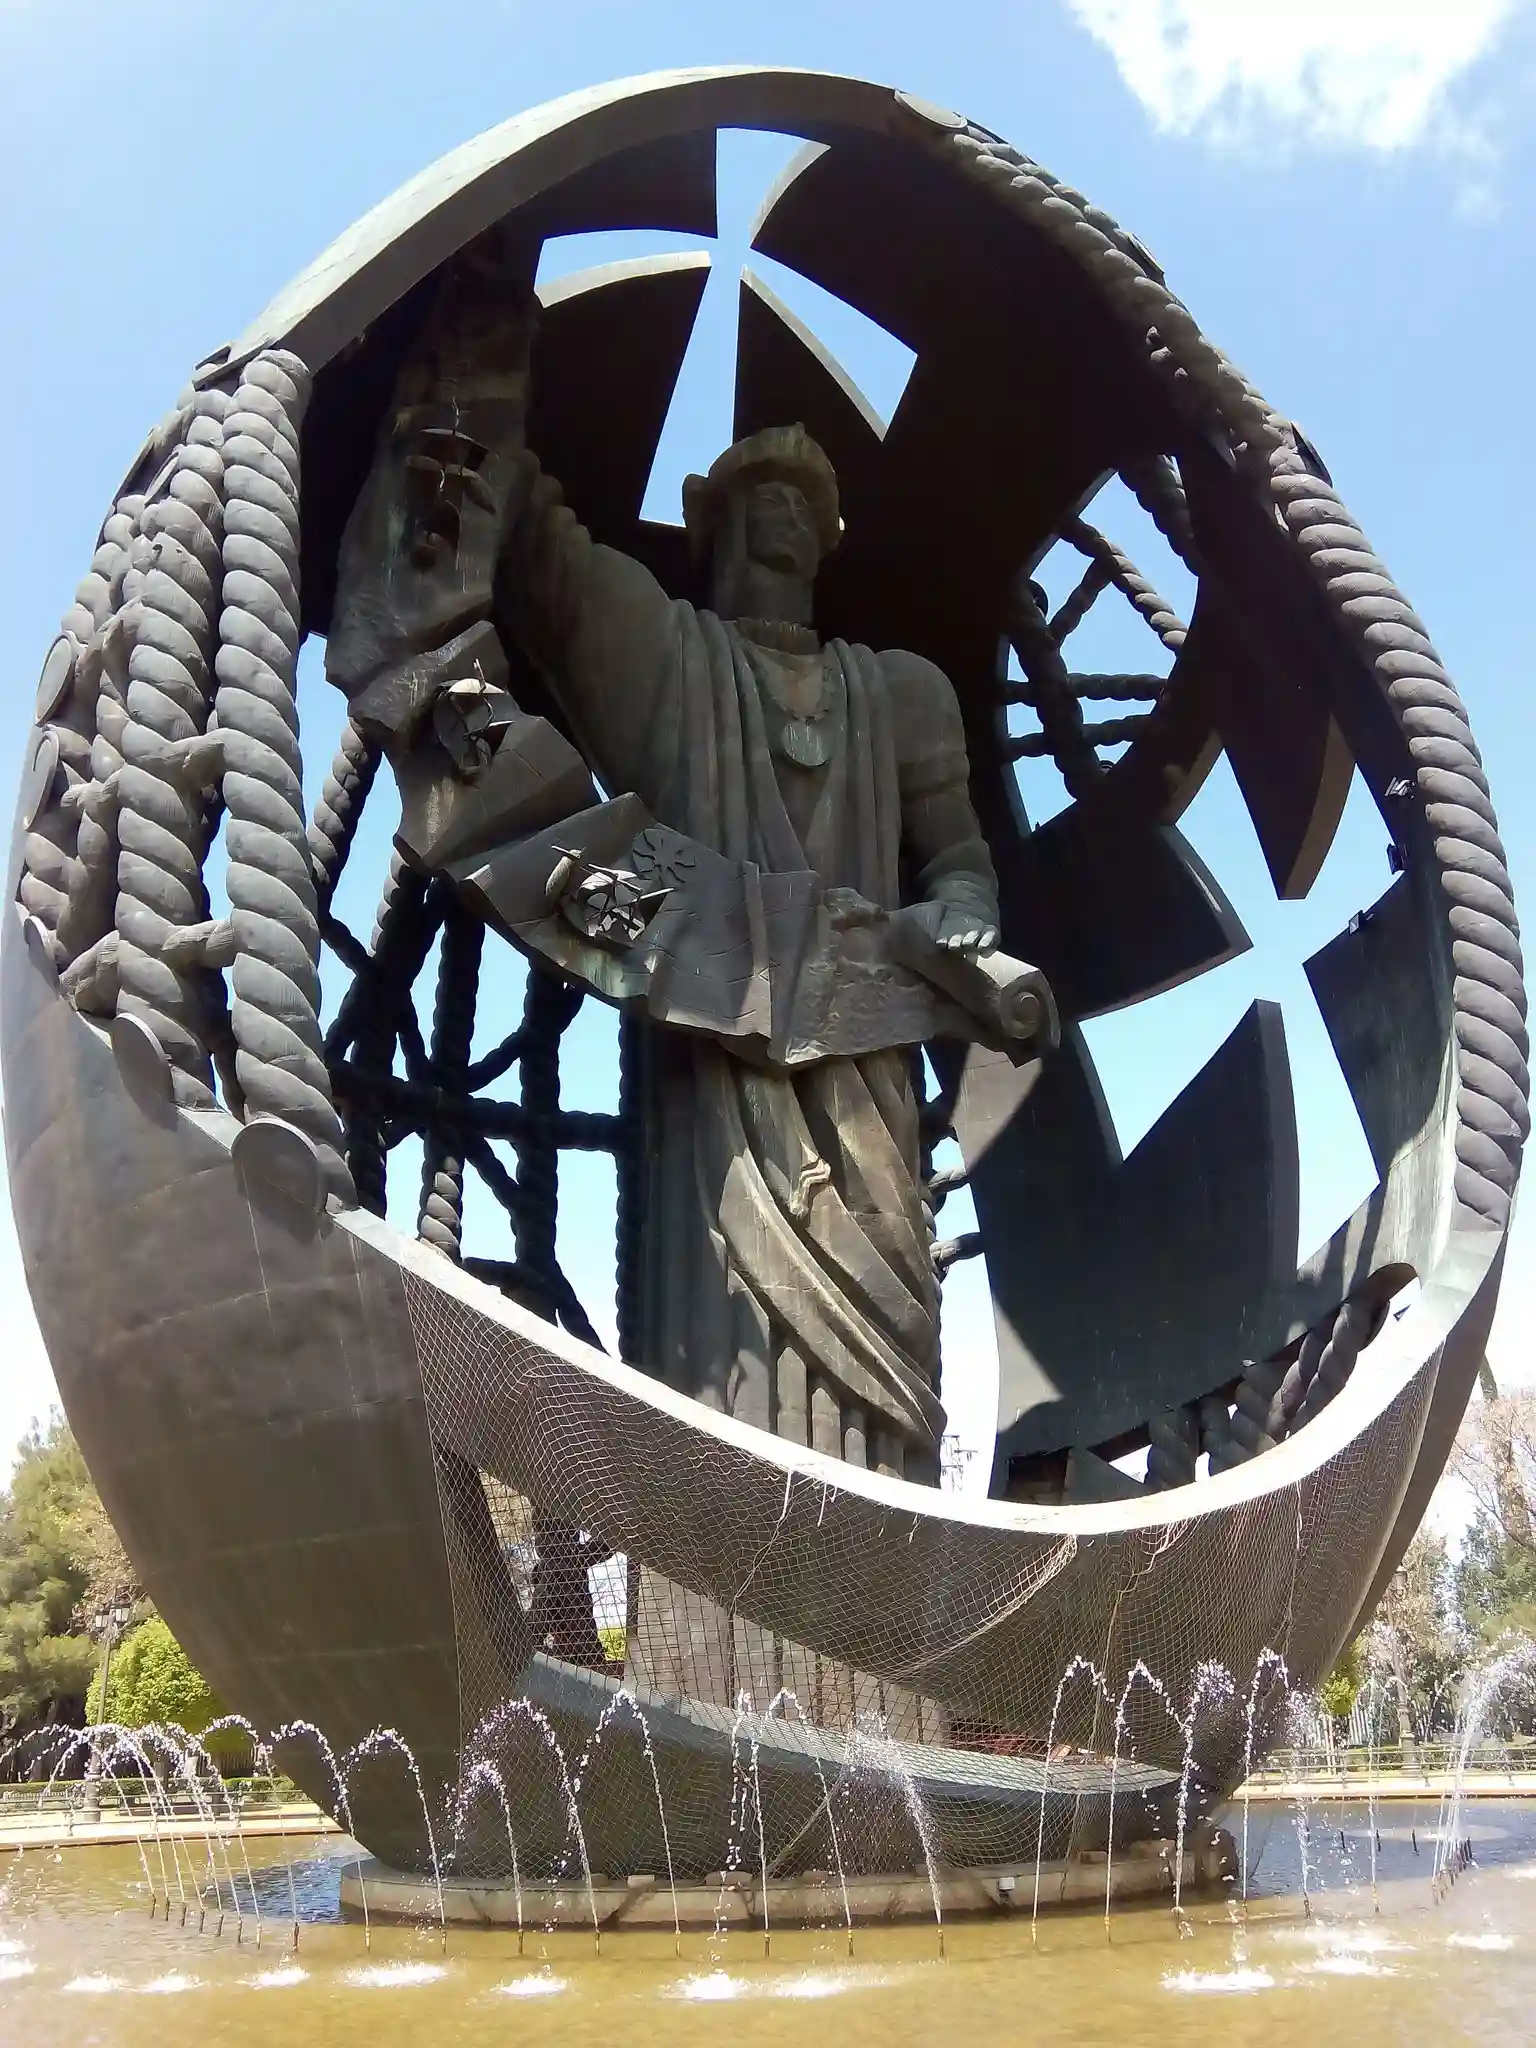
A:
802,737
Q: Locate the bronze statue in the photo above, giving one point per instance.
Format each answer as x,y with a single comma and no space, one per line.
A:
789,1275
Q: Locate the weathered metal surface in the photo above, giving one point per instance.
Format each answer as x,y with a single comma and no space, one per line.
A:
289,1410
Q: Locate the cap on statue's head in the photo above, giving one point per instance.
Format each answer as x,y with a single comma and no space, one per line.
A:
776,455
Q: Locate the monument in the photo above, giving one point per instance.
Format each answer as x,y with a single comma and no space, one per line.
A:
750,781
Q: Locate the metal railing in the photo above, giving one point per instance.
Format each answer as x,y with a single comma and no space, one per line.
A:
133,1795
1515,1758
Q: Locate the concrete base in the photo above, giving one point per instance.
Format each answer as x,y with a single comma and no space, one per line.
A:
101,1827
735,1898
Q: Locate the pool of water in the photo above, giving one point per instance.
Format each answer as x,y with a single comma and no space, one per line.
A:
1314,1956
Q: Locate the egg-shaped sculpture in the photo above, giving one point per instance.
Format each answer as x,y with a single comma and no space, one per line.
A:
751,781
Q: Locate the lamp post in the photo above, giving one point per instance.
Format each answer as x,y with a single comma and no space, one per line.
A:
111,1622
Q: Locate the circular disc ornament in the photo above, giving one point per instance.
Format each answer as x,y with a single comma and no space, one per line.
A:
40,949
931,112
807,745
283,1159
142,1062
57,678
42,771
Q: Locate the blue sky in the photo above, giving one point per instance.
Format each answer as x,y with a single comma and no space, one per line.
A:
1343,195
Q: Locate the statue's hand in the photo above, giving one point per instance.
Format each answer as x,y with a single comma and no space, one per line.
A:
418,558
846,909
956,927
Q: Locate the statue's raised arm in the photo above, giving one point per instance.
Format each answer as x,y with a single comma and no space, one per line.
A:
457,516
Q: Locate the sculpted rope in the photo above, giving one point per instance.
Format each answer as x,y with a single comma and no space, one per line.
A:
441,1221
169,628
1049,691
271,885
100,691
1119,569
52,847
342,796
1488,992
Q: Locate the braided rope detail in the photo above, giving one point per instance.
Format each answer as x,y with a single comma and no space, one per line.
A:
441,1219
271,888
91,911
1108,732
1076,606
1488,991
340,810
47,863
1049,691
1123,272
1275,1398
1249,1433
403,929
52,848
1155,484
1481,929
1215,1426
1355,1325
1123,573
550,1002
1294,1388
1117,689
169,624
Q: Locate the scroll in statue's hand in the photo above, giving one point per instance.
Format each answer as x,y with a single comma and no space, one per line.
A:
955,949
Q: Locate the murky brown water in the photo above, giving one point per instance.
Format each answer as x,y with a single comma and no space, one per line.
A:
82,1965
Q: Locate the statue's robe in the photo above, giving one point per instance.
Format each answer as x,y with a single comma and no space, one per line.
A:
788,1276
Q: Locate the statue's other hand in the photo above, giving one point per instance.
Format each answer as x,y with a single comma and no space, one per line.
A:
956,927
418,557
847,908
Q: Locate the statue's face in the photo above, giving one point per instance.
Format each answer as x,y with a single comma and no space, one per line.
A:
779,529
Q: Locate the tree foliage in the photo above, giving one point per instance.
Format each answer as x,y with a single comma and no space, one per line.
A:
153,1679
111,1585
1417,1645
1341,1688
1495,1459
65,1584
46,1658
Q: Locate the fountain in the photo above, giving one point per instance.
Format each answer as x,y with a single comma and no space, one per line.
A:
372,1475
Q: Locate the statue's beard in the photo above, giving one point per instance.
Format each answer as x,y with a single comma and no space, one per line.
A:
766,588
783,558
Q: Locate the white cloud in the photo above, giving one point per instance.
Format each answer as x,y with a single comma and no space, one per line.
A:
1372,74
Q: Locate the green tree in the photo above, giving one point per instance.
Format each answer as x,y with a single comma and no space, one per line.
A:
1418,1642
110,1584
46,1659
1496,1581
153,1679
65,1580
1495,1459
1341,1688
